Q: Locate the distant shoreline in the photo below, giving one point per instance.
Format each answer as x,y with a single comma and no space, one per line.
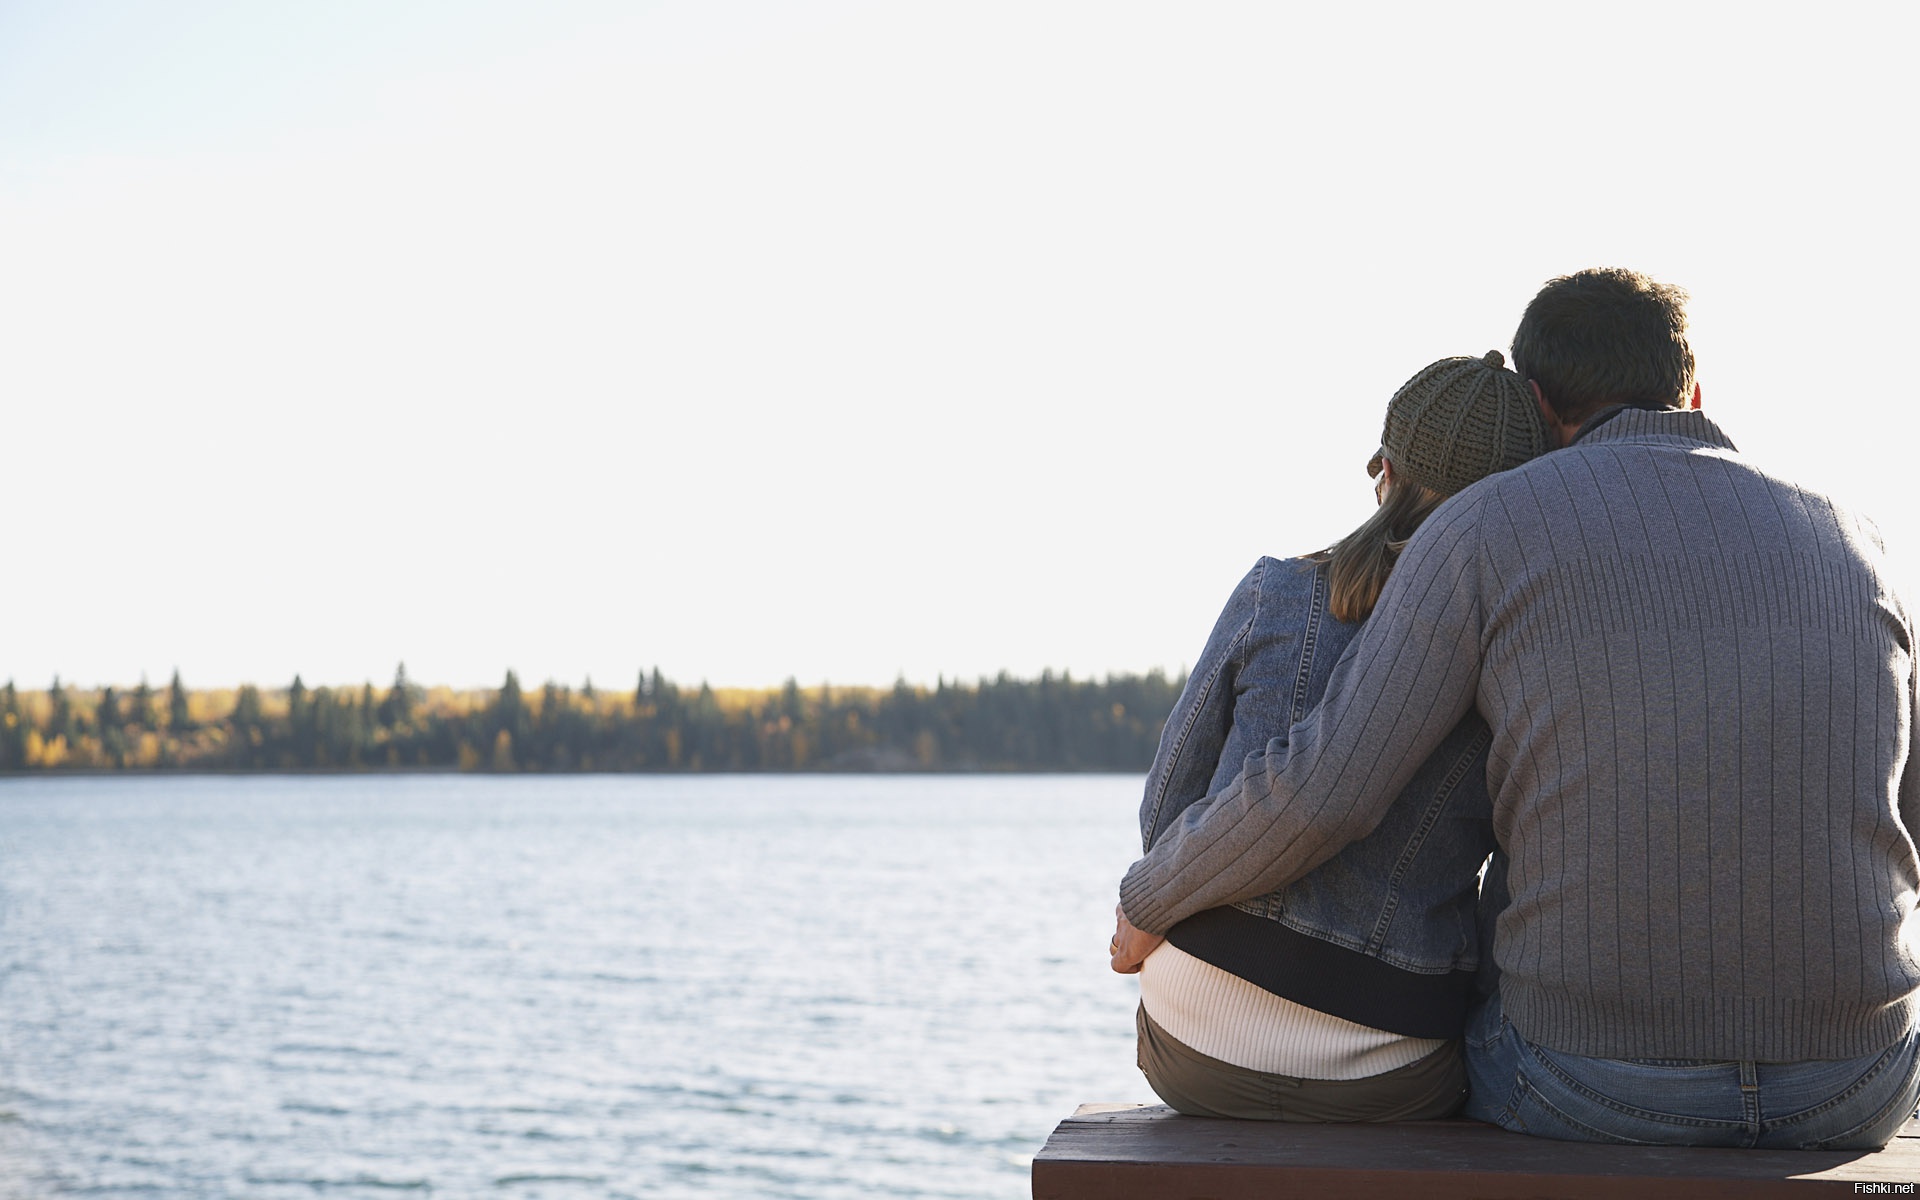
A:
456,773
1055,724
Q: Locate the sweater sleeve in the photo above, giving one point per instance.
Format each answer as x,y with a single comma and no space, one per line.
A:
1403,684
1908,798
1910,774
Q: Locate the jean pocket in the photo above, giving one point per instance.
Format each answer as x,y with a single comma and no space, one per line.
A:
1874,1132
1535,1113
1613,1100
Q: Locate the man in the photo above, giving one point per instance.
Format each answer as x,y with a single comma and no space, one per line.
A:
1702,691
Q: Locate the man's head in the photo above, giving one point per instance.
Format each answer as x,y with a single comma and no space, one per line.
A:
1603,337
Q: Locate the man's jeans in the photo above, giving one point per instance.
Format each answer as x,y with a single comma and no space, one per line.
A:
1856,1104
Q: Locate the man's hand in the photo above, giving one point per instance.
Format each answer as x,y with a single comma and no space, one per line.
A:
1130,947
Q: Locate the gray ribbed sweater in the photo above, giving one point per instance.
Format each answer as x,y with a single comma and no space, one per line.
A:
1701,686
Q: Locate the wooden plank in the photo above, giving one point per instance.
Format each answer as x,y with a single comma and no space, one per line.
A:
1132,1152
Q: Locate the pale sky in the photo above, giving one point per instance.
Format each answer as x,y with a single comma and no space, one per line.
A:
843,340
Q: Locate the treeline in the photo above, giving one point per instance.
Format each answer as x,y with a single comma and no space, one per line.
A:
1053,723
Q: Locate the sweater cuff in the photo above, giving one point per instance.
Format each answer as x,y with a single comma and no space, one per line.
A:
1145,910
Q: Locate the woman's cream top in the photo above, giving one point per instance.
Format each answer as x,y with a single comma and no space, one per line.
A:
1223,1016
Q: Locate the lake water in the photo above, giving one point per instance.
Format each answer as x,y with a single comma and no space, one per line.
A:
587,986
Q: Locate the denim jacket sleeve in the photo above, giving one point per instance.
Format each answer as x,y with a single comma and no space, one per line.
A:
1400,688
1198,728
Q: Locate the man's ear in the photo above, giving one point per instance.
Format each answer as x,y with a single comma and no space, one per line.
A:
1696,397
1546,410
1557,431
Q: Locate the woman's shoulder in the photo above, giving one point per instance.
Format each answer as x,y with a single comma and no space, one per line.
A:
1281,590
1294,590
1285,576
1306,564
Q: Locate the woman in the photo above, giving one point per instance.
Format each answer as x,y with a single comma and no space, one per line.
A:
1340,997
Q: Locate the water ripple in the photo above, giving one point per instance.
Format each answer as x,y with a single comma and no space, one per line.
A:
552,989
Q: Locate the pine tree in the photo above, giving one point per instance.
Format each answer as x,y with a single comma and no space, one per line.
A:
510,708
13,730
246,709
140,706
179,717
106,715
60,714
297,712
397,709
323,748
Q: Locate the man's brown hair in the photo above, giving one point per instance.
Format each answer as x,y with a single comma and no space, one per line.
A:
1603,337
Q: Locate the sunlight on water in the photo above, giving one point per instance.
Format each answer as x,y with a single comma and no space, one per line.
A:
562,987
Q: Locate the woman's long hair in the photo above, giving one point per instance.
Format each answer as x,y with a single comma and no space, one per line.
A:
1359,563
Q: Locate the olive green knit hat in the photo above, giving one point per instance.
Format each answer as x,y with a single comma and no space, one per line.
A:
1458,421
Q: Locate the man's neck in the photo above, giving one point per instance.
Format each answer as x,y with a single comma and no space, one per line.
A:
1561,434
1574,431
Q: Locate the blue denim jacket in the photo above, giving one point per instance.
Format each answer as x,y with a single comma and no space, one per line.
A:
1384,932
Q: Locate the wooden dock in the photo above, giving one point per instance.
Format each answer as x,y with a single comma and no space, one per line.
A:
1135,1152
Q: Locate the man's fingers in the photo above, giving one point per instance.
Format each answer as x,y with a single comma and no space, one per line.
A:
1129,947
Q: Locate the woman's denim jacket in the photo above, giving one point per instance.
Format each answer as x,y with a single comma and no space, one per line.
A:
1384,932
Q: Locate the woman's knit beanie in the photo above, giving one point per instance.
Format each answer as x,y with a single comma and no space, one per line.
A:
1458,421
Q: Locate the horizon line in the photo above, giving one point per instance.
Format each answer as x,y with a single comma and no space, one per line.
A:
645,673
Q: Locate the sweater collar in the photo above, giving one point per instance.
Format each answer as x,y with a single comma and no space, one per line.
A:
1627,423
